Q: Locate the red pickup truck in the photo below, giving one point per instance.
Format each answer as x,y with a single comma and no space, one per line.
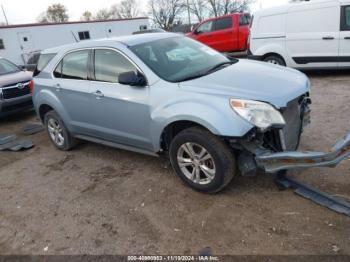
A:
226,33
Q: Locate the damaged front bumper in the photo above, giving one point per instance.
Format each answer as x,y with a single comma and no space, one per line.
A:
273,162
276,149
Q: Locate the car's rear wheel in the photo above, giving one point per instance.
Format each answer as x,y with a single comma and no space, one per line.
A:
58,133
274,59
202,160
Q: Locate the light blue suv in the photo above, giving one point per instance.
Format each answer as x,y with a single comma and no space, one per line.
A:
167,94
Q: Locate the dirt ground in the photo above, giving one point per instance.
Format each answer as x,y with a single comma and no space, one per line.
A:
100,200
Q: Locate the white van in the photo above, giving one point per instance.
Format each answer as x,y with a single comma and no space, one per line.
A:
310,34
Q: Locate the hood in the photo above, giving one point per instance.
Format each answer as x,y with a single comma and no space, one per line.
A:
252,80
14,78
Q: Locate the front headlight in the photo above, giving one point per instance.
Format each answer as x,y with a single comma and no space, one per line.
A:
261,115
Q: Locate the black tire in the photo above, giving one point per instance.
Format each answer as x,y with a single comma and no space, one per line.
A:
221,155
69,141
275,59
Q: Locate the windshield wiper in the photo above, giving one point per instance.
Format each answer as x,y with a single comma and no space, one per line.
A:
209,71
218,67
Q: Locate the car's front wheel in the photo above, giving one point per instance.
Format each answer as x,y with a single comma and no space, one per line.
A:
57,132
202,160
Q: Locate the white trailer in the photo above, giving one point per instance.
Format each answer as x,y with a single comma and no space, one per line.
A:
18,41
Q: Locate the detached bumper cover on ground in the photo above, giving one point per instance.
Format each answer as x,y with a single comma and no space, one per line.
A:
289,160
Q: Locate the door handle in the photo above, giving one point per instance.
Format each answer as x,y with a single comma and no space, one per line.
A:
328,38
98,94
347,38
57,87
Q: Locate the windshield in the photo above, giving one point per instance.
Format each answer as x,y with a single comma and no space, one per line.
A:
6,67
179,58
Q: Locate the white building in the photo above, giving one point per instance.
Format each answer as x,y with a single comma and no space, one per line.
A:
18,41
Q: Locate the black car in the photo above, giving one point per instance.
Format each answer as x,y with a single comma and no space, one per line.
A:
32,61
15,88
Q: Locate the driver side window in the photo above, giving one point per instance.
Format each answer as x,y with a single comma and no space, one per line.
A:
205,27
109,64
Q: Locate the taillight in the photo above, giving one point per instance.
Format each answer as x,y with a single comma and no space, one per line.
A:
31,86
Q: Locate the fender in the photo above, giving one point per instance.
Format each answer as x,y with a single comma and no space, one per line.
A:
49,98
220,120
261,49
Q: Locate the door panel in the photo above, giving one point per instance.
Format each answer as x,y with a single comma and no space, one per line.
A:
344,44
312,35
225,35
203,33
73,90
121,112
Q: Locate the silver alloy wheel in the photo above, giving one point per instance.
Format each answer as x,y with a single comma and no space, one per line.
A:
196,163
55,131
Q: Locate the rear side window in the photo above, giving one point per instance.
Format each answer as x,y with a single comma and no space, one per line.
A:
44,59
244,19
345,18
223,23
109,64
58,71
73,66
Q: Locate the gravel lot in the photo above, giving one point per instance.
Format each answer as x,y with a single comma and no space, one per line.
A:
100,200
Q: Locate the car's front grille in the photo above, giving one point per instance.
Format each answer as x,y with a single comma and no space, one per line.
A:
15,90
293,116
292,129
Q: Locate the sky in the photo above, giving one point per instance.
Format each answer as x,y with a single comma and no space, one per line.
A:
25,11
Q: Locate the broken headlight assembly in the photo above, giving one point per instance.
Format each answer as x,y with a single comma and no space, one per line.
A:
259,114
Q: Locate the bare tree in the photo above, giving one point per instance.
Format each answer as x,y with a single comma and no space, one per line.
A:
166,13
125,9
199,9
224,7
56,13
86,16
103,14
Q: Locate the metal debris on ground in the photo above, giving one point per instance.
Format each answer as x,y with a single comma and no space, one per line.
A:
32,129
5,138
17,145
334,203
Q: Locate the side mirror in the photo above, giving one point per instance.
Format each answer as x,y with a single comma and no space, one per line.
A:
23,67
132,79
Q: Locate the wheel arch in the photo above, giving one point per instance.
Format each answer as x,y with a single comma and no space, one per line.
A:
215,116
174,128
273,54
43,109
47,101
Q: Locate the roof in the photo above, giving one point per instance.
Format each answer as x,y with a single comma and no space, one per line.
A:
73,22
130,40
283,8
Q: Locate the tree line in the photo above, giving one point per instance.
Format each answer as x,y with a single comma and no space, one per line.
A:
165,13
